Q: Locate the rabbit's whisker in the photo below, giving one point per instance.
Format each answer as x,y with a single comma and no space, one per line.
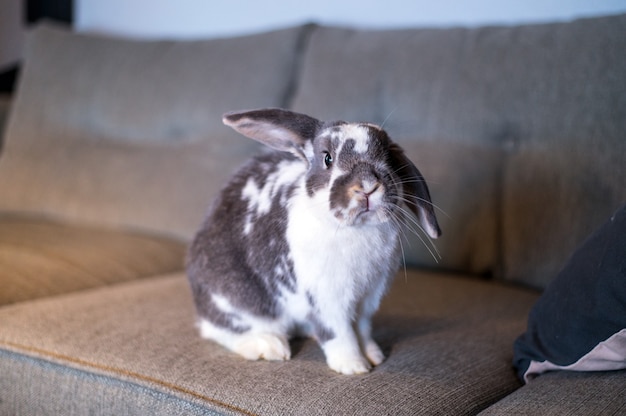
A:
408,218
387,118
398,225
437,207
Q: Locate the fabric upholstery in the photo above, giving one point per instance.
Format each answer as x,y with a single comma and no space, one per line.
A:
567,174
39,258
53,386
555,196
466,207
551,97
558,394
133,134
447,340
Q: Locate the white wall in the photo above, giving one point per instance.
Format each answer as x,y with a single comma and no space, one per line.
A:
210,18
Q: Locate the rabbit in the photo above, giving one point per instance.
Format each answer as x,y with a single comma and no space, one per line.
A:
304,240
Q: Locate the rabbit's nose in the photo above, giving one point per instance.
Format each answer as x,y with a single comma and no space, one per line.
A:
365,188
369,188
362,193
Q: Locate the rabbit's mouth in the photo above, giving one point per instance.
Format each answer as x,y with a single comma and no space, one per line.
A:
366,214
369,217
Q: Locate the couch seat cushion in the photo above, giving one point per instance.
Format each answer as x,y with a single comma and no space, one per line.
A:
567,393
448,341
40,258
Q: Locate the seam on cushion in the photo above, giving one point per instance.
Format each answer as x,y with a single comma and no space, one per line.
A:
509,143
131,374
300,52
159,275
100,283
499,267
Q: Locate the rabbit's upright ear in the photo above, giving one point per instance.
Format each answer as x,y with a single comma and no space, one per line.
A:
416,193
277,128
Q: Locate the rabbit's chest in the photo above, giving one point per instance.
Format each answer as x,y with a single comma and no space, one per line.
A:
340,263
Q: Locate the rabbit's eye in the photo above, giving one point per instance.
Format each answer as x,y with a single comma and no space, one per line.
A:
328,159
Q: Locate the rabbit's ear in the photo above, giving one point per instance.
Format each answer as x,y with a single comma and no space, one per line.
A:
277,128
416,193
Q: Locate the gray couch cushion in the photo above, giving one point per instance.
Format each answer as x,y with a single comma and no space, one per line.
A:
39,258
552,97
106,395
555,195
567,173
120,132
466,206
448,342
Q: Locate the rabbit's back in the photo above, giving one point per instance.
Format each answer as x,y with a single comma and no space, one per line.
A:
241,252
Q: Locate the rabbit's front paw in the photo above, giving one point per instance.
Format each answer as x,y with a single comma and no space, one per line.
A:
351,364
269,347
374,354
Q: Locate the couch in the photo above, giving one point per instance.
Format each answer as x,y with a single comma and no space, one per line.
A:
113,149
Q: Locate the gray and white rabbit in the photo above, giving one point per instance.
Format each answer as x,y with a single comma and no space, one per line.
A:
304,240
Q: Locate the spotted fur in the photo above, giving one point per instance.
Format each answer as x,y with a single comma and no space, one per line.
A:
304,240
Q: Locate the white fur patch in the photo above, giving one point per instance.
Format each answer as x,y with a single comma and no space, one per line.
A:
222,303
251,346
358,133
256,199
260,198
338,264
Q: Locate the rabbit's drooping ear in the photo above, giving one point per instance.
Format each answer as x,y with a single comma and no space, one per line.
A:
416,191
277,128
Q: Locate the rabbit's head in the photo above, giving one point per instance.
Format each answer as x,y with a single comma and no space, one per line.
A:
356,174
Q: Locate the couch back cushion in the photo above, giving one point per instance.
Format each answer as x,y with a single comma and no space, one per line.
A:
128,133
545,104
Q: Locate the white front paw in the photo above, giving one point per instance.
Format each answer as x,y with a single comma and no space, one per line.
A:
374,354
351,364
269,347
